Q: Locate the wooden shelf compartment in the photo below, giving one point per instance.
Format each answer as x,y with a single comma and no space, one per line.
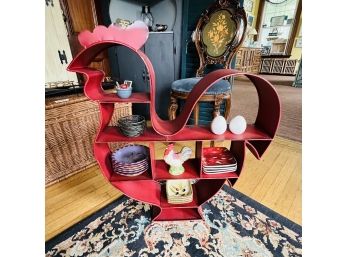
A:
166,205
237,148
207,188
100,95
147,191
192,168
103,153
189,133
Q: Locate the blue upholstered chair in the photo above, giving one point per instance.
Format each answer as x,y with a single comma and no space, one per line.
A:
218,35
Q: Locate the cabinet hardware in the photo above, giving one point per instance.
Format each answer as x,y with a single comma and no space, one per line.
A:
146,75
48,2
62,57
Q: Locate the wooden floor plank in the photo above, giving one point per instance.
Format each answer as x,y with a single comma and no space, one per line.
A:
274,181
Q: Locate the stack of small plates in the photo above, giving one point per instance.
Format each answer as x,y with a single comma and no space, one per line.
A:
217,160
179,191
130,160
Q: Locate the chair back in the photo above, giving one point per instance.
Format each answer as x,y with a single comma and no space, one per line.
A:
219,33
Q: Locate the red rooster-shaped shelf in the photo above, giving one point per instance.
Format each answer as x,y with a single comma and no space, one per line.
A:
147,187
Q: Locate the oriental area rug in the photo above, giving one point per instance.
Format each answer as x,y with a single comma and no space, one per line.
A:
234,225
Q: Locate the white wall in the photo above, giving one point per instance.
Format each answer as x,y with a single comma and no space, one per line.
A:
163,12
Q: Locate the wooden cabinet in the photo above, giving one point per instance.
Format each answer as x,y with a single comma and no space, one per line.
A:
248,59
81,16
282,66
57,49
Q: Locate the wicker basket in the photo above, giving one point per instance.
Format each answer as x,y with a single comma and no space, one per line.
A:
132,125
70,130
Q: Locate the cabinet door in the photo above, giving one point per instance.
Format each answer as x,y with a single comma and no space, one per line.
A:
160,50
56,39
130,67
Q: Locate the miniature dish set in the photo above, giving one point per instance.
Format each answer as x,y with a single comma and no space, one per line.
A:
130,160
179,191
218,160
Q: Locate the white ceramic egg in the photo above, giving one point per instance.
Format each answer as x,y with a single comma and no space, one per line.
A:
238,125
218,125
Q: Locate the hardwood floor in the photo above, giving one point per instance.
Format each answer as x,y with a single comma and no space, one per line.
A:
274,181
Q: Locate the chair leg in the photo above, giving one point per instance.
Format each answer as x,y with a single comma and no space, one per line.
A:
217,102
228,108
173,107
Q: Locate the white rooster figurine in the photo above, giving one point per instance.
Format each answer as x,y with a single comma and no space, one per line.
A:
175,160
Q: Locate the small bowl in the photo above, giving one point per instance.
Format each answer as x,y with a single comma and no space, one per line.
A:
132,125
124,93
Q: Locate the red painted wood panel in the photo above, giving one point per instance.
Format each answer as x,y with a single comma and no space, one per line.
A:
192,168
189,133
178,214
145,187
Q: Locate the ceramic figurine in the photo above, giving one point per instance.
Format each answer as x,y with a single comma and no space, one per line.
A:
238,125
176,160
218,125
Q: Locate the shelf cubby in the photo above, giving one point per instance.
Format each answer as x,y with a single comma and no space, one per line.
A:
192,168
103,153
148,191
166,205
207,188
